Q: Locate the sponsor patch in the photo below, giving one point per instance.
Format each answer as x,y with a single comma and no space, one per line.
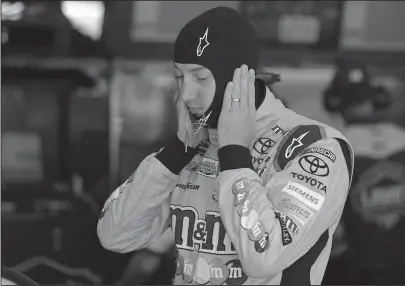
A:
249,221
203,147
262,145
236,274
259,161
202,44
261,171
256,232
278,130
204,272
209,168
305,195
310,181
263,244
297,140
314,165
244,209
240,186
291,226
285,235
239,199
205,234
295,208
288,227
325,152
218,272
192,167
199,271
295,143
188,271
188,186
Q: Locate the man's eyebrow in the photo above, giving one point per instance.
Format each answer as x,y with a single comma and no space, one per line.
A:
190,70
197,69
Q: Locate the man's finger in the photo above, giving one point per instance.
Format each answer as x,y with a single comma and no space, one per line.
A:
236,76
235,95
226,105
251,88
244,85
236,82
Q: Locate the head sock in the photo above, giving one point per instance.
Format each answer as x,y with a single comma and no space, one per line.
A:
220,39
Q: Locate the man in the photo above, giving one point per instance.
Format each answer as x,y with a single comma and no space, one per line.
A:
373,224
251,190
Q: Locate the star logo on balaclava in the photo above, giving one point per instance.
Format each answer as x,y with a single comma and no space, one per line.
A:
203,43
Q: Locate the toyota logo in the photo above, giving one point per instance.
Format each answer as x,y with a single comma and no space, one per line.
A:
314,166
262,145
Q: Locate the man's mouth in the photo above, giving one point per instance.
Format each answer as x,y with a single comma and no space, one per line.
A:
195,111
195,116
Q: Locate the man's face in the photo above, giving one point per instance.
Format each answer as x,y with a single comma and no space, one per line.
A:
196,86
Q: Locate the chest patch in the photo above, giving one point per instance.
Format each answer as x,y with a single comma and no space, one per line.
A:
209,168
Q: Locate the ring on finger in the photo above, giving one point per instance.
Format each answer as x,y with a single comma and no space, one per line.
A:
235,99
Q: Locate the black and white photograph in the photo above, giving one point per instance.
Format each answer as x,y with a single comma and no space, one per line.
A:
202,142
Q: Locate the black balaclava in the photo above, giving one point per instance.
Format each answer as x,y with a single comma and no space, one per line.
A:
220,39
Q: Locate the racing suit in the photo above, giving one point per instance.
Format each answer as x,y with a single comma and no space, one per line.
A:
263,215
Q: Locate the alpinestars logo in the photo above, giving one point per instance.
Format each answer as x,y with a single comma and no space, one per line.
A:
203,43
296,142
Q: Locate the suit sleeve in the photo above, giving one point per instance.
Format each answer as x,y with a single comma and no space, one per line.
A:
137,213
275,223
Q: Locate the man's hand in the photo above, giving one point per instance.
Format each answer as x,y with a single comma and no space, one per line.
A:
236,125
185,128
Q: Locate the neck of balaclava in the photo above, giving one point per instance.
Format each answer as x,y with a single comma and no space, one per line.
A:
270,110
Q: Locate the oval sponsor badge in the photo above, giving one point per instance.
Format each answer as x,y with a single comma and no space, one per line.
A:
240,198
219,272
249,221
202,273
236,274
257,232
263,244
240,186
244,208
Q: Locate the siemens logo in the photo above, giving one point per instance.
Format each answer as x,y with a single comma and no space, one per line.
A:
305,195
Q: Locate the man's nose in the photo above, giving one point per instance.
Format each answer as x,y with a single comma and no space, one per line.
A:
188,93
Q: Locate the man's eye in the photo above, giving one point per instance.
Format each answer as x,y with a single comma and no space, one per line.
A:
201,78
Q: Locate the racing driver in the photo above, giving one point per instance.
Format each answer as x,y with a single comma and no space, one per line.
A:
251,191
